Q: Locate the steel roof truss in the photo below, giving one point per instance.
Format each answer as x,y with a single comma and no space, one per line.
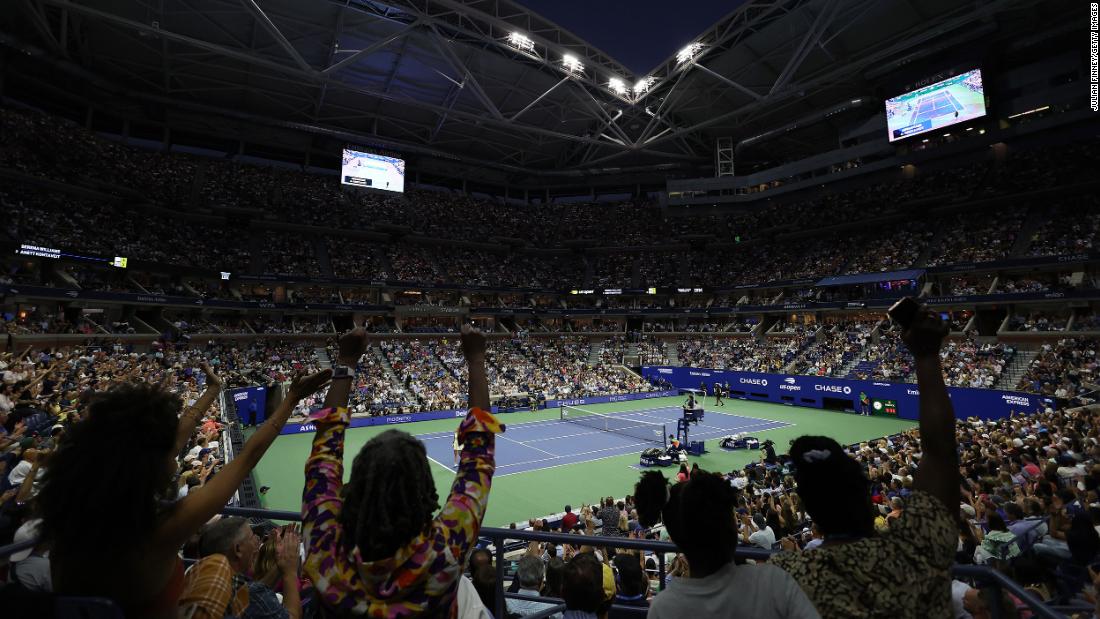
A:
273,30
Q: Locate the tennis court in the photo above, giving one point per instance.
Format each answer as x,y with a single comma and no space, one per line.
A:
544,463
553,442
939,103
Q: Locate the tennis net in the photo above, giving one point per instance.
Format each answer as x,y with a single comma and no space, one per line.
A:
652,432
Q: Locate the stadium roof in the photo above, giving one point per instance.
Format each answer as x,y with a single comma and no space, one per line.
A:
451,80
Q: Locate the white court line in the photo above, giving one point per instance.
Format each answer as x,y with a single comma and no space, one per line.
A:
450,435
584,453
554,466
706,411
525,445
554,438
733,414
705,425
698,425
449,468
521,424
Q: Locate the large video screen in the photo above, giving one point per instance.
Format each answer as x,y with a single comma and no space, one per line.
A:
935,106
374,171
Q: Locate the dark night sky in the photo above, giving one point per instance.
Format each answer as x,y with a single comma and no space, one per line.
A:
638,33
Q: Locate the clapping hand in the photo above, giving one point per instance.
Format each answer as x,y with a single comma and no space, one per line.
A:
302,386
352,345
212,379
287,555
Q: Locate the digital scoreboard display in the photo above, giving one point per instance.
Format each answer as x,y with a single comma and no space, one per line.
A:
935,106
884,407
373,171
54,253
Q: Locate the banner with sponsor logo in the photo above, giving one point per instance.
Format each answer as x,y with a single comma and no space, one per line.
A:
603,399
250,404
362,422
894,399
383,420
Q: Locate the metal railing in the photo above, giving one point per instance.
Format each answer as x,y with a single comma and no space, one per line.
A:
993,582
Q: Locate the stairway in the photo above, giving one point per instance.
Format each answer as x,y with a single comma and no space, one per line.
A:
387,369
1035,218
932,246
1011,375
632,355
320,250
385,267
257,261
810,342
589,271
595,349
672,352
855,363
323,360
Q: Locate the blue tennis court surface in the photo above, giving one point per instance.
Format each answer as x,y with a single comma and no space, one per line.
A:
544,444
938,104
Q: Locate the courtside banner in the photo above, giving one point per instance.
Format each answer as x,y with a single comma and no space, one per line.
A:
250,404
603,399
385,420
382,420
843,394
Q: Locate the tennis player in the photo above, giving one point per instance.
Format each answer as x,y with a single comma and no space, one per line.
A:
457,448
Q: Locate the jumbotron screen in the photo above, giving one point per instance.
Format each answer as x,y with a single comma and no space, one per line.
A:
361,169
935,106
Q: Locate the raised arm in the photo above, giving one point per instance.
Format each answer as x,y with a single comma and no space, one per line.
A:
287,561
45,373
189,420
201,504
322,502
460,519
938,473
473,348
27,486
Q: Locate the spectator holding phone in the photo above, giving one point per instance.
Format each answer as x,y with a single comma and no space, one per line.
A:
905,571
373,546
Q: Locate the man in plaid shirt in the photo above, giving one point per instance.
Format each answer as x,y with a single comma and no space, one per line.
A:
217,587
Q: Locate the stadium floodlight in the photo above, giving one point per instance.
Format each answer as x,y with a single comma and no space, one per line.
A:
617,86
688,52
644,84
571,64
521,42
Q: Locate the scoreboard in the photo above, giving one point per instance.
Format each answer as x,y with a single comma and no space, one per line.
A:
884,407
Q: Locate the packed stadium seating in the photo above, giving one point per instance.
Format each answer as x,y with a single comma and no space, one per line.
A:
185,219
177,237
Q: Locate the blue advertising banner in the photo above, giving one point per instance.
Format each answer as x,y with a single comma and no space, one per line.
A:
846,395
251,404
385,420
603,399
